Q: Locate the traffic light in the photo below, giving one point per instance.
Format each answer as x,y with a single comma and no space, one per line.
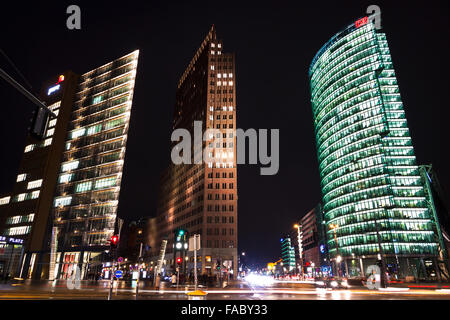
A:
178,260
39,122
114,241
180,235
180,239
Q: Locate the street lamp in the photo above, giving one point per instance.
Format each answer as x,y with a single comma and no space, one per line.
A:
299,241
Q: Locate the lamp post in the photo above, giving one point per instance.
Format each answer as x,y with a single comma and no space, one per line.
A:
338,256
300,250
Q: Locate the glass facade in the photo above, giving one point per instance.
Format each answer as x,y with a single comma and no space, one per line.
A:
86,199
288,254
371,186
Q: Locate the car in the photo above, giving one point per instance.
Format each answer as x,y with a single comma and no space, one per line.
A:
331,283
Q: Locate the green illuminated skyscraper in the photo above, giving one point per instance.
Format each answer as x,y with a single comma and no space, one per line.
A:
372,191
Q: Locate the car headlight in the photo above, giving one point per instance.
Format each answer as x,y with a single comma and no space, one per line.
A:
344,283
334,284
320,283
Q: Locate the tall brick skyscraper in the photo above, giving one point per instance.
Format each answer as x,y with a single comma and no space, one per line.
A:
202,198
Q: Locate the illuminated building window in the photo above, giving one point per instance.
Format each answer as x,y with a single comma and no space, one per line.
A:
52,123
70,166
21,197
16,231
34,184
35,194
21,177
62,201
30,147
105,183
50,132
84,186
47,142
65,178
20,219
230,75
97,99
54,106
77,133
230,83
94,129
4,200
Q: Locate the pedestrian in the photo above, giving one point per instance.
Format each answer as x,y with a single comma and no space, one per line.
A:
174,279
157,280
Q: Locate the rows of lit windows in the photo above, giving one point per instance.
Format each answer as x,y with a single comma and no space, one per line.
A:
17,231
20,219
358,53
388,248
335,51
352,71
345,119
5,200
26,196
357,154
351,144
352,171
322,114
338,84
43,144
379,214
34,184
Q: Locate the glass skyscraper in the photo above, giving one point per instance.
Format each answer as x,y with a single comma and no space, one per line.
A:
373,196
88,186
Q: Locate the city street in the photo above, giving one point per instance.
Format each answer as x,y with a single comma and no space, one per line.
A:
238,291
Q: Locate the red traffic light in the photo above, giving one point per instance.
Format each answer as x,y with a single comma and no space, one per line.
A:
114,240
178,260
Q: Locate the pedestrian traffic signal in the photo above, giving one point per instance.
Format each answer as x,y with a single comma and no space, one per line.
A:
114,241
180,235
179,260
218,265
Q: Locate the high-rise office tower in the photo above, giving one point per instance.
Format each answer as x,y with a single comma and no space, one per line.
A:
201,198
373,198
64,203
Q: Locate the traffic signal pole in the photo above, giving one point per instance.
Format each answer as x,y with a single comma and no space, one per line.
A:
139,271
25,92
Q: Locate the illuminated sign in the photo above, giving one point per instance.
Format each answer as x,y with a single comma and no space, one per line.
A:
56,87
361,22
322,248
11,240
53,89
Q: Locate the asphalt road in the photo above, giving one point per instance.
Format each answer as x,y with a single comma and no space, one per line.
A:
239,291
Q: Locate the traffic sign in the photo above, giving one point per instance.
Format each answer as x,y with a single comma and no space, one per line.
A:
119,274
120,259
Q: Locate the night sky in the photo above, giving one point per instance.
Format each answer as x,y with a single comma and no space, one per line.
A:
274,44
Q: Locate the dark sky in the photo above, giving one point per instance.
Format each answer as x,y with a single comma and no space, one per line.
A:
274,44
